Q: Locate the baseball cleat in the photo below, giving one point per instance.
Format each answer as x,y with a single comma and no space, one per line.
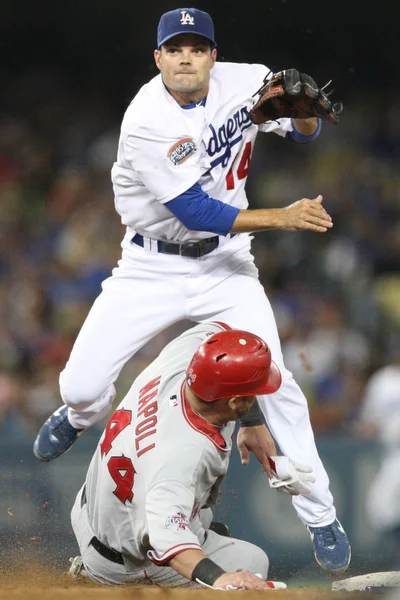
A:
332,549
56,436
220,528
77,568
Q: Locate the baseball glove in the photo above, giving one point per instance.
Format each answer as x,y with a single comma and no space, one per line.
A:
296,95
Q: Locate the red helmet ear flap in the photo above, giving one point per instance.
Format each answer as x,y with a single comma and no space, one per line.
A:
232,363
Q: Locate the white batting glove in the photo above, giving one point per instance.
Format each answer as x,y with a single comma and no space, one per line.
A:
290,477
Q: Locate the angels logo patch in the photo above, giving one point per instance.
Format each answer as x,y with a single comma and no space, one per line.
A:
181,151
179,519
173,400
190,377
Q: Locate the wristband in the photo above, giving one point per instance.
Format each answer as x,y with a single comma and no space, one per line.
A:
253,417
207,571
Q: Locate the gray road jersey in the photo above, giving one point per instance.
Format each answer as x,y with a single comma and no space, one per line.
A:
157,463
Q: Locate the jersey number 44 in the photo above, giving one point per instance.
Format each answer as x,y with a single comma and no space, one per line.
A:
120,468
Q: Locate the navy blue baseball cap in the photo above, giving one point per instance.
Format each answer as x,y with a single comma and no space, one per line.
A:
185,20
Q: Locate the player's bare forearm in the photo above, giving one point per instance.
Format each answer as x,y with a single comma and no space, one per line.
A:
258,440
185,562
306,126
304,214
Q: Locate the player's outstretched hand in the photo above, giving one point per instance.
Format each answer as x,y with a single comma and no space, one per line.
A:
256,439
241,580
306,214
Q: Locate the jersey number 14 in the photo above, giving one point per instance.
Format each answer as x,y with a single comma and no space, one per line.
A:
243,168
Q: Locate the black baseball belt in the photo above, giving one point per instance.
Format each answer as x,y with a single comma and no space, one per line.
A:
106,552
189,249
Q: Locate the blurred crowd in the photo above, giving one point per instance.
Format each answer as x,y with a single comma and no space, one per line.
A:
336,296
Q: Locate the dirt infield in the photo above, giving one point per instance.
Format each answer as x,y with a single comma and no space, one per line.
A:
78,592
28,579
27,583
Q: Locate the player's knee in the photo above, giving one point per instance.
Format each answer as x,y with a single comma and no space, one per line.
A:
233,554
258,561
251,558
78,394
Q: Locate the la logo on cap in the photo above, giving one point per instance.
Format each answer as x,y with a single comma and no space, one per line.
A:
186,18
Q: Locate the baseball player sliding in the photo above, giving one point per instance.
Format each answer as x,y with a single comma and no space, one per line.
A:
184,155
144,510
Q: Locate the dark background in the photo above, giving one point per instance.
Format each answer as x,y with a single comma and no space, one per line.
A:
354,43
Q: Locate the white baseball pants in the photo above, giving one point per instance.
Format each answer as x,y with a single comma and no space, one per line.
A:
229,553
150,291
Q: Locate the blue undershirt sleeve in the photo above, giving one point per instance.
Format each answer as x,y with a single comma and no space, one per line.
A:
198,212
303,139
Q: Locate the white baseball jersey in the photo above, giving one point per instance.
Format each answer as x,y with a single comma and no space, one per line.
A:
165,149
157,462
382,406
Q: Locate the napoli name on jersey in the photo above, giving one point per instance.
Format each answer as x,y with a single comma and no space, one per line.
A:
143,493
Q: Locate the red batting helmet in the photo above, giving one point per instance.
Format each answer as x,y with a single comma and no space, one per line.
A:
232,363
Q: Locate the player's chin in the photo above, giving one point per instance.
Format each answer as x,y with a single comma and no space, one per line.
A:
246,406
186,84
243,410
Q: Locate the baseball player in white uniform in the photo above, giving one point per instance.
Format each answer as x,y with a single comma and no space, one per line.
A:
380,418
142,511
179,181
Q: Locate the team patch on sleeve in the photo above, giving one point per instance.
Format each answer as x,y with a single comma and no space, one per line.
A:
181,150
179,520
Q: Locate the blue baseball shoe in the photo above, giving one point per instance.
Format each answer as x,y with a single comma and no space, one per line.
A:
332,549
56,436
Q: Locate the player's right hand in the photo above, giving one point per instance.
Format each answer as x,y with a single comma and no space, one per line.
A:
241,580
256,439
306,214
